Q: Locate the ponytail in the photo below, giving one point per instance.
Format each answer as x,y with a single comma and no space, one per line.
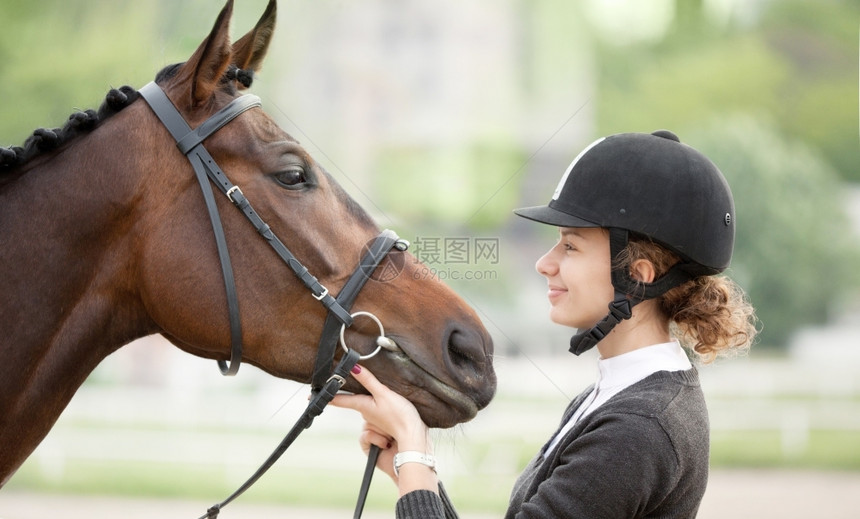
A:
712,316
709,315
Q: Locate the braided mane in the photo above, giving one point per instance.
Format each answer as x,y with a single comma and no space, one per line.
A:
44,140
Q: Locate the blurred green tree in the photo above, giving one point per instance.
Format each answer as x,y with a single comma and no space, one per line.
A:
793,61
790,68
57,56
795,254
52,52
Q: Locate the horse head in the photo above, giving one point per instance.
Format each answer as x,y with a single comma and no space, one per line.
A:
444,363
121,246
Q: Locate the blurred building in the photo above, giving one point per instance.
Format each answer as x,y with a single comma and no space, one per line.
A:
432,110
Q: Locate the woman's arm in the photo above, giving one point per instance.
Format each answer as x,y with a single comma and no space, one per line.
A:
393,424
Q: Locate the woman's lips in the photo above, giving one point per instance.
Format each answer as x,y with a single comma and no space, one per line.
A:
555,292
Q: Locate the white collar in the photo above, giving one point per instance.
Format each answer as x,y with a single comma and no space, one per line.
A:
631,367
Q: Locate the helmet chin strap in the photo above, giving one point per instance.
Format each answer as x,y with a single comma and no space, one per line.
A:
619,309
628,293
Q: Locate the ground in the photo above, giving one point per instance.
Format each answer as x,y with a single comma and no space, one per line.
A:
731,493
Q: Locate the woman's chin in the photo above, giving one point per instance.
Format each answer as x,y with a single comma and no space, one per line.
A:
559,316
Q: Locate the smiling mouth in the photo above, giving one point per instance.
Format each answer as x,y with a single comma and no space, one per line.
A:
554,292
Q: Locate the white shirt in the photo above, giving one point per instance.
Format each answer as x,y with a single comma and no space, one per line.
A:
622,371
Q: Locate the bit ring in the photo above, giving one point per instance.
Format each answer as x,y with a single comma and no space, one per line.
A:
378,341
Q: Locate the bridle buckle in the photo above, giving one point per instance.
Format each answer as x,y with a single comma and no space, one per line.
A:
232,190
340,380
322,294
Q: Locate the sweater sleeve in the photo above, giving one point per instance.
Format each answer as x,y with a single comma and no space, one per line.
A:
616,468
425,504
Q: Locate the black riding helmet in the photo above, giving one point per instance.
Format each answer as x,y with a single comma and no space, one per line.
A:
656,187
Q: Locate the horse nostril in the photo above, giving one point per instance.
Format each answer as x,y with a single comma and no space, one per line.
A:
463,351
470,354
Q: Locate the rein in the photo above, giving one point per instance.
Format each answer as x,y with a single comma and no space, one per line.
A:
325,382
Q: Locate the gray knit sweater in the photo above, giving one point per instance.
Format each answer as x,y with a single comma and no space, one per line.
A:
642,454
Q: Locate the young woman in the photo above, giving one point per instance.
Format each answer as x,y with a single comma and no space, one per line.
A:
645,225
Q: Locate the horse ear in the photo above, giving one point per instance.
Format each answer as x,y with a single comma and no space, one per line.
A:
203,71
250,49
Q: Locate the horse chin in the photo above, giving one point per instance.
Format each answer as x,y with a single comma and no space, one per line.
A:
439,404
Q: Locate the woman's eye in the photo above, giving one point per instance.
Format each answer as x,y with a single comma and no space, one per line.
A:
291,178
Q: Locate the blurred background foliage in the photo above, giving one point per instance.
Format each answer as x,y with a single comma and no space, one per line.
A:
768,89
774,102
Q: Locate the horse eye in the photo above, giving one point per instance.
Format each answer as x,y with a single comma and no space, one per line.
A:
291,178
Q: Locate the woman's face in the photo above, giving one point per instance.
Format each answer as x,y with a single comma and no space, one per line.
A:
577,270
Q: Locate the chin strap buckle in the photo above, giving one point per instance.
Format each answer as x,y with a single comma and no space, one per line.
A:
619,309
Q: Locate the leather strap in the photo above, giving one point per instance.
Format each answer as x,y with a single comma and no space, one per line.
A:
236,107
185,137
190,143
179,129
369,468
324,386
314,409
226,272
328,339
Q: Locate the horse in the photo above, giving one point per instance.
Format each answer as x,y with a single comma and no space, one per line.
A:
106,239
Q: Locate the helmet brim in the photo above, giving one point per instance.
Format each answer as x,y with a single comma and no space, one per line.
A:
548,215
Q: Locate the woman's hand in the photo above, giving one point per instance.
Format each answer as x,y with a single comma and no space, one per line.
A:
391,423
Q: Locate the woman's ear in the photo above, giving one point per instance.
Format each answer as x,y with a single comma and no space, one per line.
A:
643,271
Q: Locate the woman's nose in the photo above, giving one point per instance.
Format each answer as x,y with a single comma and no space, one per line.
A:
546,265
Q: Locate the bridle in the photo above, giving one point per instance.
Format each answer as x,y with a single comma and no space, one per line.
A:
325,381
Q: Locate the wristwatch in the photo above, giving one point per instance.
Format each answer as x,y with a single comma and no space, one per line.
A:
413,457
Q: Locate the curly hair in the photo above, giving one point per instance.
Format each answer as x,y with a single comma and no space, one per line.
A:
709,315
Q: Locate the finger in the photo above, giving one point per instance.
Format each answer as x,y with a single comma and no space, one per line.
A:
368,380
370,437
385,462
354,402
